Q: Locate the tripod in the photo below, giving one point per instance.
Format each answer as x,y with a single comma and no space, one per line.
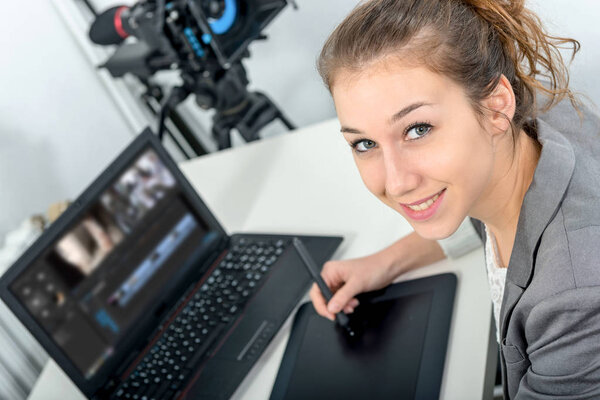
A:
235,107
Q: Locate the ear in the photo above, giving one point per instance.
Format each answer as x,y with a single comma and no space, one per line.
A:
501,105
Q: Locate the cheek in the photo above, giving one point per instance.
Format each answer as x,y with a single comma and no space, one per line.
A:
468,165
372,174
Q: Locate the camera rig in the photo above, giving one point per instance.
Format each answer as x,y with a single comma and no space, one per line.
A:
205,40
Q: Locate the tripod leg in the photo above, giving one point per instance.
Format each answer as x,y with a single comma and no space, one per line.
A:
277,113
262,111
222,136
288,124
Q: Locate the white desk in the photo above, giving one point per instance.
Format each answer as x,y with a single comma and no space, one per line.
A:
306,182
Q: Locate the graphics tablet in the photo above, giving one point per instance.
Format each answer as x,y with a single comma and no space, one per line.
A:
399,351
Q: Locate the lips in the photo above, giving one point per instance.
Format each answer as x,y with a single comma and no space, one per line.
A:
425,200
424,208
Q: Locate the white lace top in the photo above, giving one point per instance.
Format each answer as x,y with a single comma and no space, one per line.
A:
496,276
466,239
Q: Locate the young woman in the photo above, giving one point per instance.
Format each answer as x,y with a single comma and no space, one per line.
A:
441,104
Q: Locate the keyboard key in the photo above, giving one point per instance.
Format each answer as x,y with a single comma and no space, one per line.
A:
209,341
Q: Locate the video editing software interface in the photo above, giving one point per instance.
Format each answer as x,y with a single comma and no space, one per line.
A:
91,285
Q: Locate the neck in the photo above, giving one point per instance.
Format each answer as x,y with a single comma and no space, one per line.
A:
500,205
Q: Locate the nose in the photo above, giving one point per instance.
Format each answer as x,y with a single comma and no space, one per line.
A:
400,177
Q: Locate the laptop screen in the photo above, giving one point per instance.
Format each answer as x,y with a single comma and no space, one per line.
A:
90,285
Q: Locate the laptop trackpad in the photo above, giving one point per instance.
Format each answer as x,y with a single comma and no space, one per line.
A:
274,302
248,340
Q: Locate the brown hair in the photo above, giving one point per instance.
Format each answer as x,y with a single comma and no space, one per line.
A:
473,42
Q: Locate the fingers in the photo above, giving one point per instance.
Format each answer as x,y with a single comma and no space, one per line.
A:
343,297
335,275
319,302
352,304
321,306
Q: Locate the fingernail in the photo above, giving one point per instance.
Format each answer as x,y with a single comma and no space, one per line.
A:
354,303
333,308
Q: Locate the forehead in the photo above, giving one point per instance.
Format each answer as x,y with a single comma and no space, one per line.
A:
385,86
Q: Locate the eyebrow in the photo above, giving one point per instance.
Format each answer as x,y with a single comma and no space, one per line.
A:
395,118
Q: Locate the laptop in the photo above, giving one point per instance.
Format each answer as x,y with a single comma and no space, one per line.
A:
137,291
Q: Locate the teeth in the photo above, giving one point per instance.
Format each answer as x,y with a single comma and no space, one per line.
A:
425,205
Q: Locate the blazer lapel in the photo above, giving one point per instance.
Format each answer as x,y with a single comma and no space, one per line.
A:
541,203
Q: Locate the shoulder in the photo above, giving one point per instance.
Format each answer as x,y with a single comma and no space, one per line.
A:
582,132
580,205
566,119
581,128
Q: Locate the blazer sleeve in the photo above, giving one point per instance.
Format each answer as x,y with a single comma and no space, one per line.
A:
563,336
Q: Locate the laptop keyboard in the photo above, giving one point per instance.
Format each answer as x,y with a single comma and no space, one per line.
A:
187,341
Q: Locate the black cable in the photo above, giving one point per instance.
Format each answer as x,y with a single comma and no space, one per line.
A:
176,96
186,133
164,110
90,7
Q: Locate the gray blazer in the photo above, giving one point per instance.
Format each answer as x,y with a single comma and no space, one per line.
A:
550,316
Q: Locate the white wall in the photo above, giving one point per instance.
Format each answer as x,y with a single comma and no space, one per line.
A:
59,128
578,20
284,65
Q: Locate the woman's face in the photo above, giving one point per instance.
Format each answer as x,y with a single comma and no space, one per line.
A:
417,142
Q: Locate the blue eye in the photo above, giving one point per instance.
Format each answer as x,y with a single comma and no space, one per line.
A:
363,145
417,131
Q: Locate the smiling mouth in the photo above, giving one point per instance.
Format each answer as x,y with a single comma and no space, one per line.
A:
425,204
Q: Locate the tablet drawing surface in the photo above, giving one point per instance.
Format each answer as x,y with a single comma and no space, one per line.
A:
389,359
388,352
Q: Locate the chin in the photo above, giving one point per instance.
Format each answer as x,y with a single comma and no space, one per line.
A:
435,231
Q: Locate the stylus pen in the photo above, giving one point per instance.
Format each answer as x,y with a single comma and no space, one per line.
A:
341,318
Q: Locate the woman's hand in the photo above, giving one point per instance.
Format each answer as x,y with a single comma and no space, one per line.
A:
347,278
